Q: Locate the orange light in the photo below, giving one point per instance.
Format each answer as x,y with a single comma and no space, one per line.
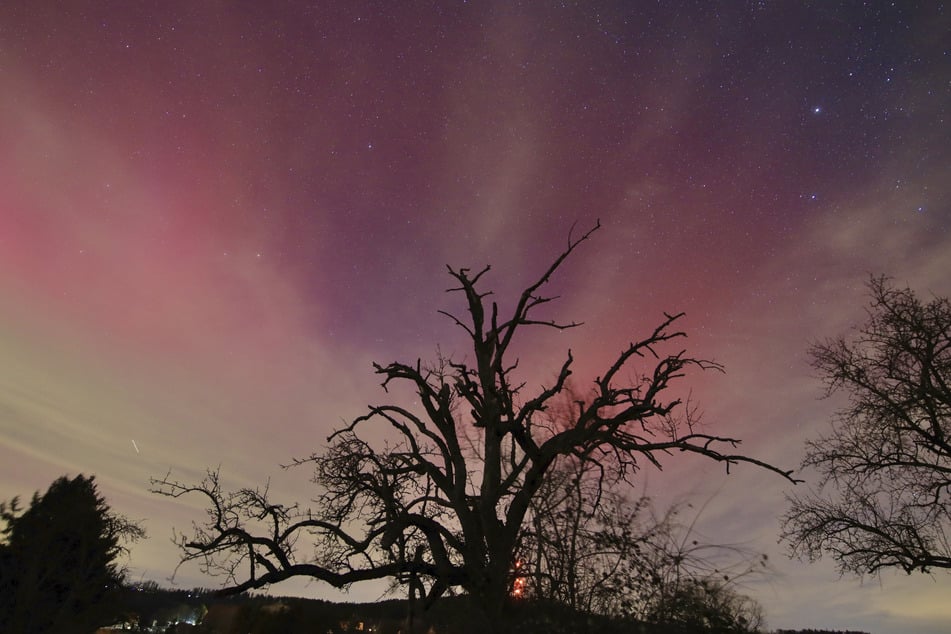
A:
518,585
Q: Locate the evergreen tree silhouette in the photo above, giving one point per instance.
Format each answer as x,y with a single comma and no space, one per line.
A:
58,570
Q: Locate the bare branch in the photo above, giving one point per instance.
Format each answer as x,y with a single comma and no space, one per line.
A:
887,461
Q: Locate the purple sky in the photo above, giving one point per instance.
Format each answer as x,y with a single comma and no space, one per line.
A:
215,215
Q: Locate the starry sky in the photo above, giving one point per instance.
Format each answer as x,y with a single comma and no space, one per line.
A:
214,215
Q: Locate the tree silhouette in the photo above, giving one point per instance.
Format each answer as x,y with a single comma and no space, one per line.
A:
600,552
887,460
58,570
708,605
442,502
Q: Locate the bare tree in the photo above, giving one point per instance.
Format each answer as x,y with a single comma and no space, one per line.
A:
578,539
708,605
601,552
887,460
442,504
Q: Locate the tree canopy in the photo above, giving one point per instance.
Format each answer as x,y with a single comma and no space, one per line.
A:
442,503
886,464
58,561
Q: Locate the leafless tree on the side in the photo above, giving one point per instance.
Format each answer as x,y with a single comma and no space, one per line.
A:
886,464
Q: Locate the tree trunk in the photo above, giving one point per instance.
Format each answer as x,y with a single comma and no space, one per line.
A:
493,605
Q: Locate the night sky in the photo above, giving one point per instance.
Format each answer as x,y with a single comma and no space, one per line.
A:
215,215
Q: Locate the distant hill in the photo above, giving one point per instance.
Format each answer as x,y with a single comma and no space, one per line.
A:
149,608
154,609
819,632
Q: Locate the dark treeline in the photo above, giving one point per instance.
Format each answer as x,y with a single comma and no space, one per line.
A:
199,611
810,631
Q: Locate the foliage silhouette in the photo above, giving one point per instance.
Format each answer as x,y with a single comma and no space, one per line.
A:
443,503
888,457
58,570
596,551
